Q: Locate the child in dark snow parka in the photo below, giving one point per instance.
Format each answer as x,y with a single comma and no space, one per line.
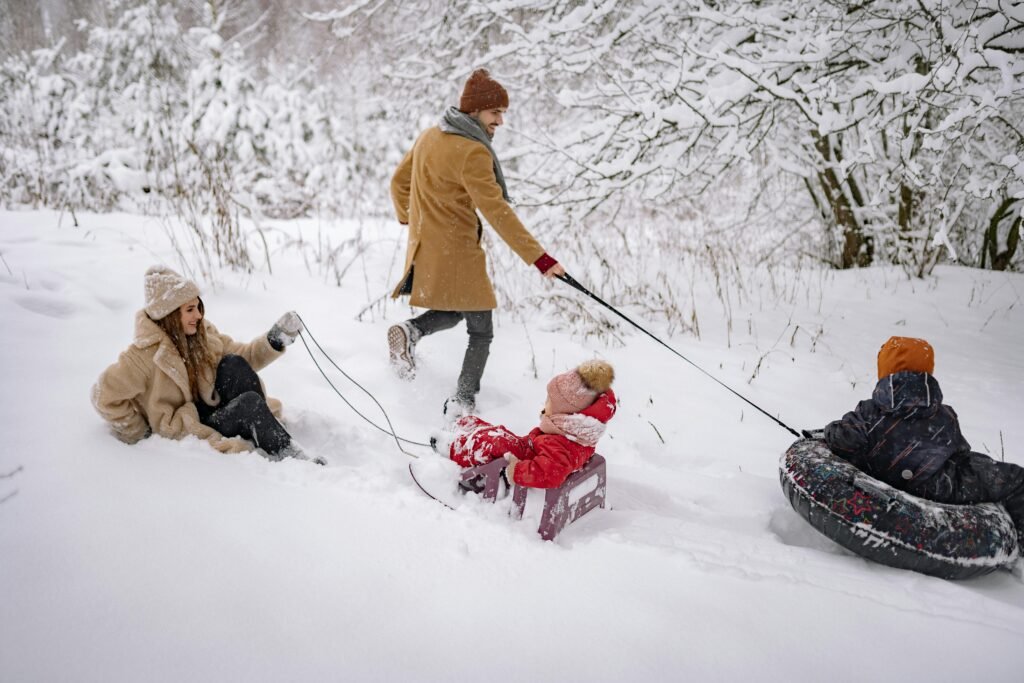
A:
906,437
579,405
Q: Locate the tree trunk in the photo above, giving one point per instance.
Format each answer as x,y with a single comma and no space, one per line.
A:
856,247
906,207
990,248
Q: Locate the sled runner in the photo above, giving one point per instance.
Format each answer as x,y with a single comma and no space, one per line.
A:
562,505
559,507
892,527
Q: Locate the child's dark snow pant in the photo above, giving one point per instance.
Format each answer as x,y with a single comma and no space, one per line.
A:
968,478
243,409
481,331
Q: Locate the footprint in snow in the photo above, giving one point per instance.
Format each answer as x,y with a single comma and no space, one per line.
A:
793,531
46,305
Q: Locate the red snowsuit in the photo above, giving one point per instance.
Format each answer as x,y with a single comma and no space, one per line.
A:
545,460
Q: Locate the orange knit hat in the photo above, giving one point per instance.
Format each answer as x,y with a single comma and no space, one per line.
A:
899,354
482,92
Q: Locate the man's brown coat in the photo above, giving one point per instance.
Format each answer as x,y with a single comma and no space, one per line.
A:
436,190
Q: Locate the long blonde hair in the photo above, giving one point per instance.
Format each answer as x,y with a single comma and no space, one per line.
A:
193,348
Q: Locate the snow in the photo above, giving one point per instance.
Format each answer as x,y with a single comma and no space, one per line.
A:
166,561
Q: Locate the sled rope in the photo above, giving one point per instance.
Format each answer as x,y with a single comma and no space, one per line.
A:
569,280
391,431
416,481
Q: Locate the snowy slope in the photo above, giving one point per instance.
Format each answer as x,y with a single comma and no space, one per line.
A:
165,561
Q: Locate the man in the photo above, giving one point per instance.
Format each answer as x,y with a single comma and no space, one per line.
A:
450,173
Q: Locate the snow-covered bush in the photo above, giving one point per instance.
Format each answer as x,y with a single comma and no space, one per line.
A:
156,116
898,120
776,132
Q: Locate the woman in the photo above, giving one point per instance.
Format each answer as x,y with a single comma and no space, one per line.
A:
182,377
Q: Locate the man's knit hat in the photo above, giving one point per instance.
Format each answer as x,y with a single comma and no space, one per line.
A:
166,291
575,390
905,354
482,92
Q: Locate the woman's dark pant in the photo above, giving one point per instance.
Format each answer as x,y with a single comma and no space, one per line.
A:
480,327
243,409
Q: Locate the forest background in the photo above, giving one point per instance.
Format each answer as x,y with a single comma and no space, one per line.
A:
649,143
773,187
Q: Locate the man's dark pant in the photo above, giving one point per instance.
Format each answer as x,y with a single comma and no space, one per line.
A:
480,327
243,409
969,478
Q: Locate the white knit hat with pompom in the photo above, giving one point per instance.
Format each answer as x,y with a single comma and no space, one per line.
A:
166,291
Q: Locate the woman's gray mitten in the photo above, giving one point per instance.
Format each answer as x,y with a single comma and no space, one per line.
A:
285,330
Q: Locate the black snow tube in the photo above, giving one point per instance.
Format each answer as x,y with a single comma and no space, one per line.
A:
892,527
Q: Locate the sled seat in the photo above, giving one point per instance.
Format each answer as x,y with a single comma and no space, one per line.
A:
559,508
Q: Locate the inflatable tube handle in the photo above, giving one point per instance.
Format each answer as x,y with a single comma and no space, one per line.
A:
877,492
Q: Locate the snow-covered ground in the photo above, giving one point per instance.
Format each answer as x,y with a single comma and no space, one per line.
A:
166,561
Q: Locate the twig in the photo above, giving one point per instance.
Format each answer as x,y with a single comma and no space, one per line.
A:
370,306
13,472
660,438
9,475
266,249
533,353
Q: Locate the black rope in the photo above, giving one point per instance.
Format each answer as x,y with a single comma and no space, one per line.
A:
398,440
569,280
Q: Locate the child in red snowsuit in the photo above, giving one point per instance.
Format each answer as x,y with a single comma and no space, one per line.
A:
579,405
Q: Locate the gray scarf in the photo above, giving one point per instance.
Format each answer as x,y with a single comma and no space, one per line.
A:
454,122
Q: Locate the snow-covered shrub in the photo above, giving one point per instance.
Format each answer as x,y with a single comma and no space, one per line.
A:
640,134
898,120
158,116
